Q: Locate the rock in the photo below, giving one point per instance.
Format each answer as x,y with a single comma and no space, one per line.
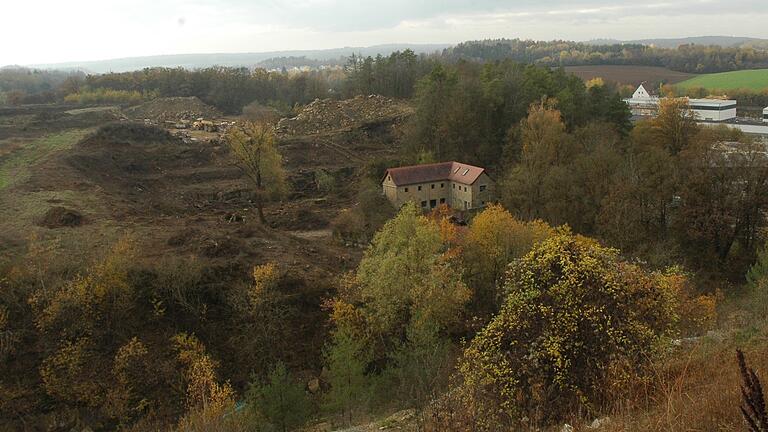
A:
328,115
598,423
567,428
313,385
173,109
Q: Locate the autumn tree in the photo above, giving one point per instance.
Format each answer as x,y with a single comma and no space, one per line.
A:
723,196
80,319
494,239
207,398
576,320
675,125
545,146
262,311
255,149
636,211
405,280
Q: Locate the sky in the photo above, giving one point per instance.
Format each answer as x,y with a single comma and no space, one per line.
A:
50,31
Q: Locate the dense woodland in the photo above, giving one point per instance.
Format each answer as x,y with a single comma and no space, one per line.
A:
558,304
395,75
686,58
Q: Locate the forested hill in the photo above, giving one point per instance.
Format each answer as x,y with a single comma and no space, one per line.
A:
723,41
686,58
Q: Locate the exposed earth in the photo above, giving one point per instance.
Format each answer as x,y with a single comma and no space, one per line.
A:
87,177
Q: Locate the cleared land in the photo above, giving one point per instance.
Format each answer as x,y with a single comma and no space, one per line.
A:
633,75
747,79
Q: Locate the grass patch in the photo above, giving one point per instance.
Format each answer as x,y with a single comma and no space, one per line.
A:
756,79
14,167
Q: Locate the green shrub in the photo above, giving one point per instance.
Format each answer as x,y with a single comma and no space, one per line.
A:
281,401
324,181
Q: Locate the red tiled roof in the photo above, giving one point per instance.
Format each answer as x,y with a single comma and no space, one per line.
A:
453,171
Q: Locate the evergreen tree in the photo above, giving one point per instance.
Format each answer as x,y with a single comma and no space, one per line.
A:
281,401
346,359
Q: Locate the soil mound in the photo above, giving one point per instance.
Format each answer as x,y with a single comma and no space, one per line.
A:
329,115
173,109
121,134
58,217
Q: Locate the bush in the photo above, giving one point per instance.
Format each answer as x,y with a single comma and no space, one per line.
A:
324,181
577,320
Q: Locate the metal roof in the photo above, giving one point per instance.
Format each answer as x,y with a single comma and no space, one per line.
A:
450,171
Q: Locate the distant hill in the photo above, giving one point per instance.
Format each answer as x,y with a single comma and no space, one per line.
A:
723,41
193,61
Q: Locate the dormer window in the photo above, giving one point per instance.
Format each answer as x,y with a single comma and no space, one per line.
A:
456,170
465,172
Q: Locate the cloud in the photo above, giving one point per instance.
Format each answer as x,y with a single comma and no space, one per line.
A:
53,30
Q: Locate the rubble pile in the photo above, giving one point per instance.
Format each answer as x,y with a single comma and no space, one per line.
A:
173,109
329,115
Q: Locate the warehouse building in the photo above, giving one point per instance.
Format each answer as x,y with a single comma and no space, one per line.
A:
644,104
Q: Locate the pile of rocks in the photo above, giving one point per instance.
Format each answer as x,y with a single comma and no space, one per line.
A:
173,109
328,115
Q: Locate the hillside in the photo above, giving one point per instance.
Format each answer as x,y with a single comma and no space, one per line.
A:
747,79
723,41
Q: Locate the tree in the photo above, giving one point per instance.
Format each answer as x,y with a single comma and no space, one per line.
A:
420,367
281,400
675,125
759,270
346,358
427,131
576,321
545,145
405,279
494,239
723,190
256,152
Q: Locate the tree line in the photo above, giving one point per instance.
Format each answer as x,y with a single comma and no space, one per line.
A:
685,58
667,189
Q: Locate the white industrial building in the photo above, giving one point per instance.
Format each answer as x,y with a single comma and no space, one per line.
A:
643,104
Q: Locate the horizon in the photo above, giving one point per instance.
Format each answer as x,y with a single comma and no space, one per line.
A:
89,30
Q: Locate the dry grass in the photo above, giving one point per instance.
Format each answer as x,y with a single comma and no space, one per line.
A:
694,389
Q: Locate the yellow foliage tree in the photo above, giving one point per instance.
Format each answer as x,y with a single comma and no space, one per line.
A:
255,149
576,320
206,396
495,238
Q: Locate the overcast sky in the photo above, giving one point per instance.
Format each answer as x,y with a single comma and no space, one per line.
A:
47,31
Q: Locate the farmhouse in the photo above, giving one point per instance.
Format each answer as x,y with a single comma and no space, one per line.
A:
458,185
644,104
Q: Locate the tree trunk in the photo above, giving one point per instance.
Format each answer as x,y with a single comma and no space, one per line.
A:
260,209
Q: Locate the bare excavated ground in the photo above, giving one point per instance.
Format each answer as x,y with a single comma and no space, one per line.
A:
68,179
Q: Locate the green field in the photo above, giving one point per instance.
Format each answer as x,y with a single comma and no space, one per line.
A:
15,166
746,79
